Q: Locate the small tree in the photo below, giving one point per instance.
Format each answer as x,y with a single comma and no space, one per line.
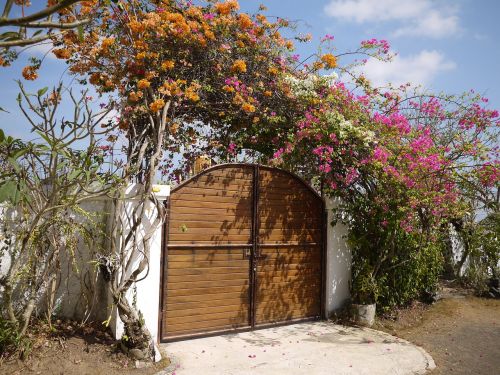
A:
42,187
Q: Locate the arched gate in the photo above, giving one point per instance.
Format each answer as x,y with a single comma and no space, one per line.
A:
243,248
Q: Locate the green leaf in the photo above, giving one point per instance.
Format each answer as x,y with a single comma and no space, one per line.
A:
14,164
9,192
73,175
20,153
80,33
9,35
44,136
42,91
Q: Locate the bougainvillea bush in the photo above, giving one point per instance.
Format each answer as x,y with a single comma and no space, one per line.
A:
401,161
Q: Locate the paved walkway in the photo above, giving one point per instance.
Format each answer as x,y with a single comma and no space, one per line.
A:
308,348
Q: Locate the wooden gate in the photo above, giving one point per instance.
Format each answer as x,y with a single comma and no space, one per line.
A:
243,248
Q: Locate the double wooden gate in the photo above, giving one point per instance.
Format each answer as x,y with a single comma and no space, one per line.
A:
243,248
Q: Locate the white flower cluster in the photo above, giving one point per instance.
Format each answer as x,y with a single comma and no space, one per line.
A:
306,88
346,129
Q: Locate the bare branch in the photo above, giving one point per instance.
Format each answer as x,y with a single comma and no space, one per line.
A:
57,25
23,21
24,42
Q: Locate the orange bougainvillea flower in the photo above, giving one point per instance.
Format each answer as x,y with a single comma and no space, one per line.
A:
168,64
317,65
268,93
273,70
174,128
248,108
62,53
191,95
135,96
227,7
136,26
143,84
157,105
245,21
107,42
30,73
238,99
95,78
239,66
329,60
209,35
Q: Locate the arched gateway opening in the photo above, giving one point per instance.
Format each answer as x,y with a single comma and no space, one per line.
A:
243,248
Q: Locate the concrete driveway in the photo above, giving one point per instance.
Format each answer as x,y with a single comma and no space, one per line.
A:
307,348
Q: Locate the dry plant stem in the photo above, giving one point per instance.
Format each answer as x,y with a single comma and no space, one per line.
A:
145,152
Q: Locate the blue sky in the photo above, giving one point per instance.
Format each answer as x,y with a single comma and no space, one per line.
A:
447,45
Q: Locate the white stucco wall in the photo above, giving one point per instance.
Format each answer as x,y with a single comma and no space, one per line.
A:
338,263
78,291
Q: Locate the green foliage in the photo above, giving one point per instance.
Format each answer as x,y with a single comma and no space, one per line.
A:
365,289
11,342
413,274
11,151
484,252
390,265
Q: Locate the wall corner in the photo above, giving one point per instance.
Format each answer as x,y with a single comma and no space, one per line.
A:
338,261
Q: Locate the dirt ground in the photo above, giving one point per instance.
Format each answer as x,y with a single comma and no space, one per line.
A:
77,351
461,332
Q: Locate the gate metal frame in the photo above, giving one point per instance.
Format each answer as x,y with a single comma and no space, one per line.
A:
254,256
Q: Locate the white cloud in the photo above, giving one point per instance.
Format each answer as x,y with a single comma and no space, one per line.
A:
434,25
417,69
416,17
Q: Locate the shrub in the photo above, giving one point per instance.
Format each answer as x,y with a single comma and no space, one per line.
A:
391,266
482,252
417,275
11,342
